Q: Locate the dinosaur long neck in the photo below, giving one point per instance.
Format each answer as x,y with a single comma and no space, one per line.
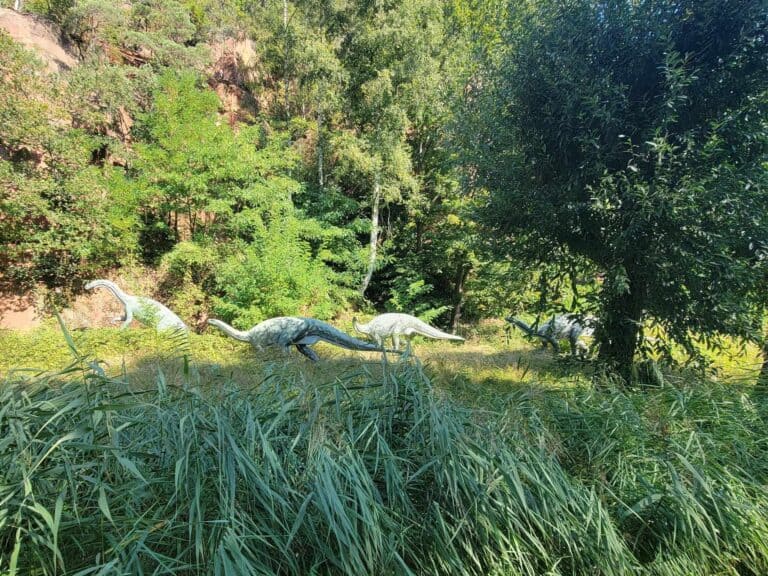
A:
229,331
112,287
522,325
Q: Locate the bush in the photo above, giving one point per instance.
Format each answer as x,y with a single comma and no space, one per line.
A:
277,277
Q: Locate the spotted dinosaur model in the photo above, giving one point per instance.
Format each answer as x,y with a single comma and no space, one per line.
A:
286,331
145,310
559,327
395,325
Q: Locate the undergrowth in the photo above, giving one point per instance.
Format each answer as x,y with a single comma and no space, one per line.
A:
274,469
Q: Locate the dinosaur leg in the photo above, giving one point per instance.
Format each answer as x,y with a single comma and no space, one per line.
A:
308,352
128,319
582,348
381,342
396,341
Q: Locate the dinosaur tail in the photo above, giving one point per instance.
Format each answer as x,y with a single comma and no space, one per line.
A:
426,330
229,331
362,328
334,336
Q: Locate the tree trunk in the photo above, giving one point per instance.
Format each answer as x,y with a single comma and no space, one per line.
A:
762,379
285,59
374,236
619,334
461,278
320,176
17,5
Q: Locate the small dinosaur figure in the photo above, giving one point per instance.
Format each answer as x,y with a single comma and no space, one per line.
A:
145,310
559,327
395,325
288,331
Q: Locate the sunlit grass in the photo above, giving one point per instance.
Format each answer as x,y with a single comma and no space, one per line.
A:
490,363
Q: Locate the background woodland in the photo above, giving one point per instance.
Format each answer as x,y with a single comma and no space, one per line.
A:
456,160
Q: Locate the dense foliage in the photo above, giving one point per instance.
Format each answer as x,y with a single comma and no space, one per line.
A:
298,157
329,176
633,135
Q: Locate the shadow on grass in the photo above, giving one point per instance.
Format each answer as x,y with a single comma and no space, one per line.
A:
246,368
474,373
477,374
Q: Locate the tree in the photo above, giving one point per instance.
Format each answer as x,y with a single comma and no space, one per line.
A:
633,134
62,218
228,195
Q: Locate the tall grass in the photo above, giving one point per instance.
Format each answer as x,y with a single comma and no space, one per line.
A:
373,473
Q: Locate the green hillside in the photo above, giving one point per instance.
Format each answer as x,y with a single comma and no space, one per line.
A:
577,188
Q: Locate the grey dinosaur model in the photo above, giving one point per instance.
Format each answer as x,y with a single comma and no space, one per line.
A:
145,310
395,325
559,327
288,331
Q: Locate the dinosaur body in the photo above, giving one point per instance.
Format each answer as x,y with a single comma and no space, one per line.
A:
557,328
286,331
145,310
395,325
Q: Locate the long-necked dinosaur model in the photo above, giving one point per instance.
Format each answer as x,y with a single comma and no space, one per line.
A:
145,310
396,325
558,327
288,331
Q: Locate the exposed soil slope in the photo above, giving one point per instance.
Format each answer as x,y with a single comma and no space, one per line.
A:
41,36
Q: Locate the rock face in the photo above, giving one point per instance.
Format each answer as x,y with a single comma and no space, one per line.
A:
41,37
235,66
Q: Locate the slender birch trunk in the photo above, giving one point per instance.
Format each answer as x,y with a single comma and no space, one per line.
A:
320,175
374,236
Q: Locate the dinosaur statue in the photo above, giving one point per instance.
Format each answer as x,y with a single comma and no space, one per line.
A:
557,328
395,325
145,310
288,331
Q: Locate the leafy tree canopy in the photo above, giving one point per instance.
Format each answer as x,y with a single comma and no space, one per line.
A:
633,134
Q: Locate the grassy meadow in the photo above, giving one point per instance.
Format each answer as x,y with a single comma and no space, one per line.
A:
123,453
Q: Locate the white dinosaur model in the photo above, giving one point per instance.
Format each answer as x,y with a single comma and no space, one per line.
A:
288,331
145,310
396,325
559,327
